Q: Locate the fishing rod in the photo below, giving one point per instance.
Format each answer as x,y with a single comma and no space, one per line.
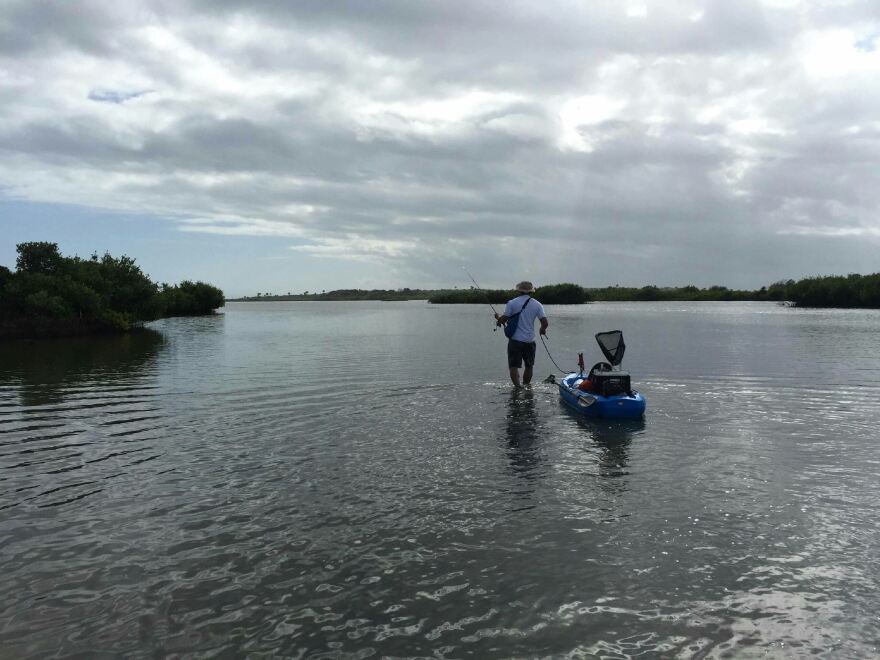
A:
479,288
561,370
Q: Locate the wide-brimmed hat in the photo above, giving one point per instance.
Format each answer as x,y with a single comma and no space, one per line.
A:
525,287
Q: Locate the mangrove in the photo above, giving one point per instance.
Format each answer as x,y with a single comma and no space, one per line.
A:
834,291
551,294
51,295
817,291
342,295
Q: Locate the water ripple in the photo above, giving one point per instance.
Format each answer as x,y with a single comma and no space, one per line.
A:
280,482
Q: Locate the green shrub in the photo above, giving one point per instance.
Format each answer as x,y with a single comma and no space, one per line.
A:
835,291
38,257
52,294
190,299
562,294
42,303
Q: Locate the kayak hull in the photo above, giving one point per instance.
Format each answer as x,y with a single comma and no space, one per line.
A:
589,404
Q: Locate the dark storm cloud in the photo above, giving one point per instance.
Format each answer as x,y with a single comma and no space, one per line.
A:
704,142
41,25
409,27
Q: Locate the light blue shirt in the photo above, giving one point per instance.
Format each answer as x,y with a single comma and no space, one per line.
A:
525,329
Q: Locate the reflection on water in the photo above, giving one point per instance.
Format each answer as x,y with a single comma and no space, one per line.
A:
612,438
358,480
44,370
524,448
75,415
207,326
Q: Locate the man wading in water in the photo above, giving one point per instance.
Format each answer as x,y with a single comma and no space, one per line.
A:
521,312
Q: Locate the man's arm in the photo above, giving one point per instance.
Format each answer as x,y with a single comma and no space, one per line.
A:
501,319
544,324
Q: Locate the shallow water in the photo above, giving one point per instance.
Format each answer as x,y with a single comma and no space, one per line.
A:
358,480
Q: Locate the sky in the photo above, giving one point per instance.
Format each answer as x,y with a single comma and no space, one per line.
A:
269,146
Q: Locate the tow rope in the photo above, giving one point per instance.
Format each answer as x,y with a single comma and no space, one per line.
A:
551,357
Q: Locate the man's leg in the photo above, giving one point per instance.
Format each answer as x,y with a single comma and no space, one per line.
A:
514,361
529,359
514,376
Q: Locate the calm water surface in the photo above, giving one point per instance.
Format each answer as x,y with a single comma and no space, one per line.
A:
353,480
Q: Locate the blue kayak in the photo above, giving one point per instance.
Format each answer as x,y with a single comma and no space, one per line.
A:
628,405
605,390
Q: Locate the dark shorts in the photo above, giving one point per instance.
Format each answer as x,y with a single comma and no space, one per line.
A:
517,351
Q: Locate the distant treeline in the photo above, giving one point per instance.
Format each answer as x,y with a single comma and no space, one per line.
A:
832,291
681,293
52,295
558,294
573,294
552,294
342,294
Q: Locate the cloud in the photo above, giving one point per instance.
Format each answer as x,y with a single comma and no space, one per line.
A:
658,141
114,95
